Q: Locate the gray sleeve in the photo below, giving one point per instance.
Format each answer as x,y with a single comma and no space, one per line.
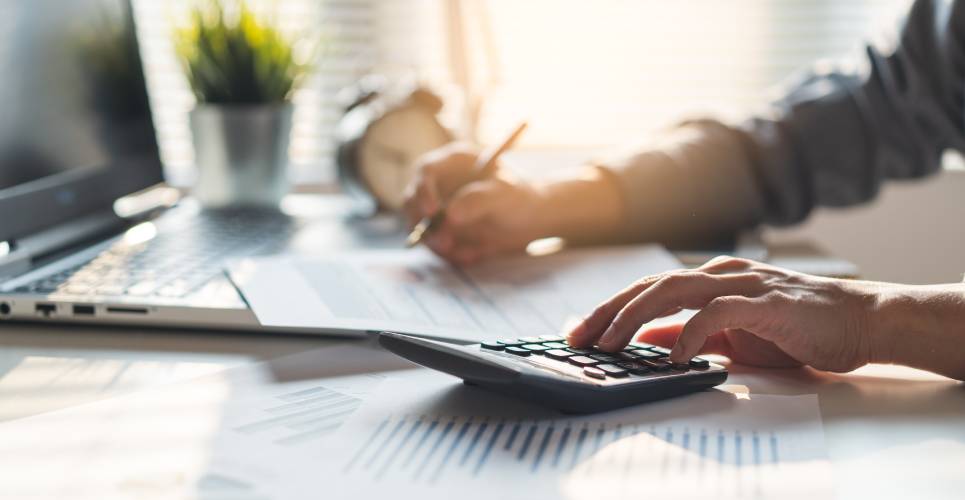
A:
831,140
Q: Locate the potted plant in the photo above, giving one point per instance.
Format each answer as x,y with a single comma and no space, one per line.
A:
242,72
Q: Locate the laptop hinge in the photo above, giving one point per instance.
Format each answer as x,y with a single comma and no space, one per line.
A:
22,253
17,257
12,262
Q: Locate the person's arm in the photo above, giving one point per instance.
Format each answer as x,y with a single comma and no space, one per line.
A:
923,327
832,140
761,315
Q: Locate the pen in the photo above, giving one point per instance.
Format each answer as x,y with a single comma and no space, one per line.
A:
485,167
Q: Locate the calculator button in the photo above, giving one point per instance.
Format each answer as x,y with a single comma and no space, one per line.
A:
558,354
699,363
582,361
634,367
640,345
656,365
509,342
604,358
613,370
577,350
625,356
492,346
594,372
536,348
660,350
645,354
530,340
551,338
556,345
519,351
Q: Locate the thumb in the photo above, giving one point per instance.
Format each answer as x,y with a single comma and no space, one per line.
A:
666,336
476,201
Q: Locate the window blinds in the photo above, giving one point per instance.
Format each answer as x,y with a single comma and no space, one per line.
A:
585,74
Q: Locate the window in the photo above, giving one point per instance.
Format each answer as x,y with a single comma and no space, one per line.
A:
598,73
585,74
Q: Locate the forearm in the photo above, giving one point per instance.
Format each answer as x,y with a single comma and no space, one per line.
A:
831,140
922,327
691,187
584,207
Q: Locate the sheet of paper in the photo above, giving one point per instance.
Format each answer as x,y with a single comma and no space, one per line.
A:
31,378
220,436
426,436
413,291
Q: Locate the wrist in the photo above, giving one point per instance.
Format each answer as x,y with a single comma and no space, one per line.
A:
585,207
921,326
891,309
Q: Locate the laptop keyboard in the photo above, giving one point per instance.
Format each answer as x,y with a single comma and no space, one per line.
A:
176,262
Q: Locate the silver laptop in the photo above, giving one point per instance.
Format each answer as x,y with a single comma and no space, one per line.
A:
76,136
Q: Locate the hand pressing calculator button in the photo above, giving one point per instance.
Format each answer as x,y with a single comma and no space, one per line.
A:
542,369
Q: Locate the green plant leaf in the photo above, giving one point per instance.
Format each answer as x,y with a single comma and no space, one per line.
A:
240,60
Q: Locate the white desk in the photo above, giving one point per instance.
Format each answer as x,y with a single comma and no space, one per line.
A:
891,432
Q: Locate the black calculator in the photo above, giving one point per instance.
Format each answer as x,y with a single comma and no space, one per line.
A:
547,370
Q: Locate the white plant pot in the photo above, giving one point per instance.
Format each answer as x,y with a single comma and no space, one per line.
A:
241,152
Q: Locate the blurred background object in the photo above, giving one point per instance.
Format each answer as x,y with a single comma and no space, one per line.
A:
385,129
81,119
588,76
242,72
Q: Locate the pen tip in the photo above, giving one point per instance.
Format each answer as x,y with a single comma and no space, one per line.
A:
415,237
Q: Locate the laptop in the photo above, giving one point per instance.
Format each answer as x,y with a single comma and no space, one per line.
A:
85,236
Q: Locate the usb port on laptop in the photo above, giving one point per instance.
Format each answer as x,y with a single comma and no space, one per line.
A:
83,310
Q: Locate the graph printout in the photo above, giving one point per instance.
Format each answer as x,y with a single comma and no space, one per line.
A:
424,440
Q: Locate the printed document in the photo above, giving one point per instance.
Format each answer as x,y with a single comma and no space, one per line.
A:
425,436
223,436
413,291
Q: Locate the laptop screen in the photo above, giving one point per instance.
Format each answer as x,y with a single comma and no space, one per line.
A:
75,127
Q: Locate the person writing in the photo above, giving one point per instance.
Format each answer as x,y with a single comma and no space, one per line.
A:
832,140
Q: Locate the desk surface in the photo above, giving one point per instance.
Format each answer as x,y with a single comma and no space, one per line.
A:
891,432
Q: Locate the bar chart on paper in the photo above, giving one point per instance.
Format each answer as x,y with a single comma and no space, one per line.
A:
439,449
301,416
430,441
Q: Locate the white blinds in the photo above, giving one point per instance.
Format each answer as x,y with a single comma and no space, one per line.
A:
604,72
360,36
584,73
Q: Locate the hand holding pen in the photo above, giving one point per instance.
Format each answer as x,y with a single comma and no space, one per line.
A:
487,211
484,167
